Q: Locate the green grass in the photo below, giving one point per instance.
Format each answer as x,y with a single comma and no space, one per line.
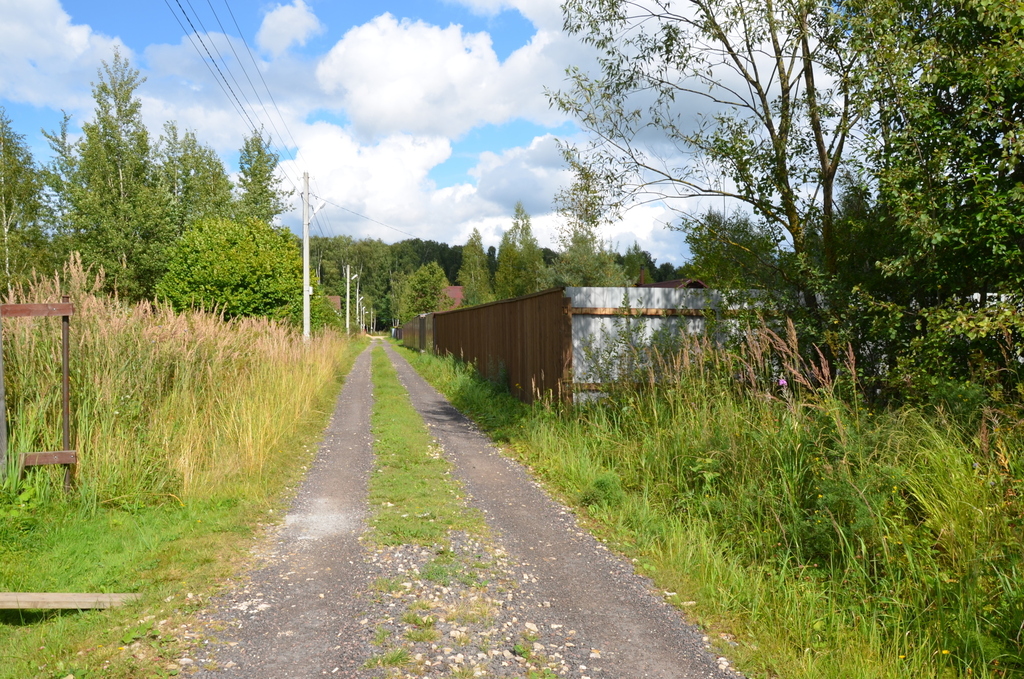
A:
191,432
396,657
414,498
827,539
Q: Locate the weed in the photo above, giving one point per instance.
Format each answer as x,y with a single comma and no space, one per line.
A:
604,490
423,634
380,636
396,657
523,651
422,622
386,585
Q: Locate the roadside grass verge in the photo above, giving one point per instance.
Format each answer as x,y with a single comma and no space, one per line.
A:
191,431
412,494
811,536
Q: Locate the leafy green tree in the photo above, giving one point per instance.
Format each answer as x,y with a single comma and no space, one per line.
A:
21,187
118,208
193,176
475,276
261,195
773,96
949,171
636,260
584,258
950,132
520,261
424,292
238,268
733,252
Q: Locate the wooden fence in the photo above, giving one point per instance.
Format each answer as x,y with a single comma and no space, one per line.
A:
526,341
544,344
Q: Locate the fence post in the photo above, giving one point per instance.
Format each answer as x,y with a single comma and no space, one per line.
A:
65,342
3,412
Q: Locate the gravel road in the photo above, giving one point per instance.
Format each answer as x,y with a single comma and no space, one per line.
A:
537,597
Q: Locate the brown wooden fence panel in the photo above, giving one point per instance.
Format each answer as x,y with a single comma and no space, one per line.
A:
526,341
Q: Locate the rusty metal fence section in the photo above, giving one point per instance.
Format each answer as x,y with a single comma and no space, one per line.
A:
526,341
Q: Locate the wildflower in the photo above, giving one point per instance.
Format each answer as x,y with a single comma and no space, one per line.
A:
783,382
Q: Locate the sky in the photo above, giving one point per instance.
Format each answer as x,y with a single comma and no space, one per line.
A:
417,118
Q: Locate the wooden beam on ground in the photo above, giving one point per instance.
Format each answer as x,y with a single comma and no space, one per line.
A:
71,601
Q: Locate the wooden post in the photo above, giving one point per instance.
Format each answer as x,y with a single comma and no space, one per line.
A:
3,412
66,391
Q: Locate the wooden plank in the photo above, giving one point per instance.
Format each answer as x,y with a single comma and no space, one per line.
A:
74,601
27,310
57,457
612,311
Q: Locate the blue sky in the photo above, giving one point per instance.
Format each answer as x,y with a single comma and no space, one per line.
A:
427,115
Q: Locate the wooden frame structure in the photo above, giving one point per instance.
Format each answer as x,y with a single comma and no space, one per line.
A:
66,457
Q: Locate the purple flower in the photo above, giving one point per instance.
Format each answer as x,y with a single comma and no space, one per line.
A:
782,382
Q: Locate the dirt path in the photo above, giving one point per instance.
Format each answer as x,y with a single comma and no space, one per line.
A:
297,615
634,632
539,598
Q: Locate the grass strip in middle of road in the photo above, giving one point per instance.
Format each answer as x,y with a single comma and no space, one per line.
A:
412,493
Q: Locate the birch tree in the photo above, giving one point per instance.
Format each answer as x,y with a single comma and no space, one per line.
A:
751,100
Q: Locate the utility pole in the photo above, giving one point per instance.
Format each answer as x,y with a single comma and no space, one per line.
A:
348,293
305,256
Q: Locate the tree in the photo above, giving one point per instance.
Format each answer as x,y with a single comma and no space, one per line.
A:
733,252
474,275
117,208
637,260
260,194
948,164
584,258
746,99
21,189
238,268
520,262
424,292
193,176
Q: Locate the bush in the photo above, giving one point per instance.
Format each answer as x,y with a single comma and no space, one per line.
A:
237,268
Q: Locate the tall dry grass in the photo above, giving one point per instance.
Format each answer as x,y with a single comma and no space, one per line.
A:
164,404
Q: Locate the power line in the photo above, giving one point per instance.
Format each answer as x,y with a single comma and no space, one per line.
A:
240,113
263,80
220,56
219,77
370,219
245,72
215,65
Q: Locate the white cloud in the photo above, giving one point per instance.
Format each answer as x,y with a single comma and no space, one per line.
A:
46,60
532,175
286,25
390,75
544,14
